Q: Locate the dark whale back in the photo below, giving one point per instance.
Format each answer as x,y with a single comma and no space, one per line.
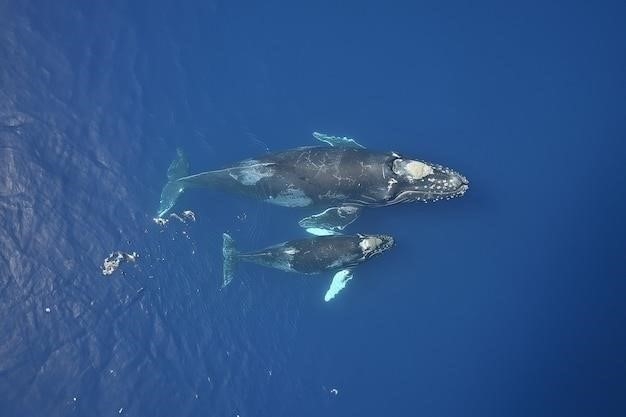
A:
330,175
310,256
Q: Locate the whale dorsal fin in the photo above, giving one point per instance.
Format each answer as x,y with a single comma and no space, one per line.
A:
339,282
338,141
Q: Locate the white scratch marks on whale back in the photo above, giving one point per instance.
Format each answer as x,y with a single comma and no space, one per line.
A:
291,197
252,171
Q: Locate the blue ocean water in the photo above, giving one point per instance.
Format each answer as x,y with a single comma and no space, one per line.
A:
508,301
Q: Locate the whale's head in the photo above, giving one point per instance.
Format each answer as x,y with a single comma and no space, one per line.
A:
372,245
422,181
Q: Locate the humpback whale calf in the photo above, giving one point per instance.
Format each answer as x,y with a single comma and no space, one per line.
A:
339,179
314,255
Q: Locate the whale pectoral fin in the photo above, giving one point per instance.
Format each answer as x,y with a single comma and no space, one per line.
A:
337,141
331,221
339,282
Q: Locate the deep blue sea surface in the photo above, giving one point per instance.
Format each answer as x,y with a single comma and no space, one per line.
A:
509,301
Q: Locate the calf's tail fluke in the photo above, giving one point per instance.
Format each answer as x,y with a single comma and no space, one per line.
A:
230,258
173,188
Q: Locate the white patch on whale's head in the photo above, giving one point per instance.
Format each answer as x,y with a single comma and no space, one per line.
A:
374,244
411,170
291,197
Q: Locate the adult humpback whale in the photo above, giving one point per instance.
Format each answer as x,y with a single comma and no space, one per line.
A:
340,179
314,255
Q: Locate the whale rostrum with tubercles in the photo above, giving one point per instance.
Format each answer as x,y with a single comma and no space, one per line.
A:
340,179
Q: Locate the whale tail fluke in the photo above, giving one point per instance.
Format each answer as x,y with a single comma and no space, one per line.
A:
178,168
230,258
